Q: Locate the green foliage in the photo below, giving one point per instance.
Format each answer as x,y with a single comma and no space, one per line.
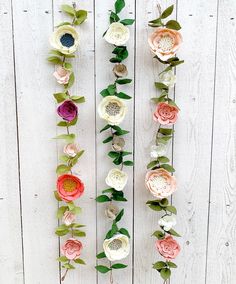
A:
119,216
123,81
127,22
124,232
79,261
161,86
69,138
68,10
119,5
81,16
101,255
165,273
103,198
159,234
174,25
167,12
121,53
118,266
62,169
113,18
54,60
159,265
102,268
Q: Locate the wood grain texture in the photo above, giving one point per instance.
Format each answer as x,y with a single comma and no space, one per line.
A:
11,258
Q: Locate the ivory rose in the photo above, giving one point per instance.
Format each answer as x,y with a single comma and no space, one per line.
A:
160,183
62,75
69,187
117,34
117,247
168,248
72,249
117,179
165,114
165,42
68,218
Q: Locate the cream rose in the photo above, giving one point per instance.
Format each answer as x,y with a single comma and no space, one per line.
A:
111,211
160,183
165,42
117,179
168,78
117,247
112,109
65,39
117,34
167,222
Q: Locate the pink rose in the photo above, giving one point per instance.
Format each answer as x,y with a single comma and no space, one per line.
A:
160,183
168,248
165,114
71,150
69,218
165,42
72,249
62,75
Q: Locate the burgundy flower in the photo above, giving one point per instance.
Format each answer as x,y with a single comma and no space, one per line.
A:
67,110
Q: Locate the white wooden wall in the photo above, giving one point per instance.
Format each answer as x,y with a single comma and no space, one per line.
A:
203,151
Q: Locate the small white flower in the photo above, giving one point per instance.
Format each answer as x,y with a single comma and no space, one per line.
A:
112,109
117,247
111,211
65,39
168,78
117,34
167,222
158,150
117,179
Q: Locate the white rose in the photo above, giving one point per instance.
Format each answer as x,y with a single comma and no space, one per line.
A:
117,247
117,179
168,78
158,150
117,34
65,39
112,109
167,222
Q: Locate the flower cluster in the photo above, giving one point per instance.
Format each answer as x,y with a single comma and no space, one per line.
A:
65,41
112,109
160,182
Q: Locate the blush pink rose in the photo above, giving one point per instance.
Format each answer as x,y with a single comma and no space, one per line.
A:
72,249
165,42
68,218
168,248
160,183
166,114
71,150
62,75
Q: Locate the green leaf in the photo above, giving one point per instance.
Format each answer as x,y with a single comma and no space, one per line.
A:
119,216
171,209
56,52
123,81
119,5
159,234
164,202
171,264
128,163
54,60
152,164
161,86
77,210
159,265
63,24
168,167
62,259
167,12
105,128
102,268
79,233
62,124
123,96
78,99
68,9
62,169
155,207
163,159
127,22
110,138
71,80
103,198
68,266
174,233
71,205
165,273
111,89
81,16
118,266
174,25
56,195
118,198
68,65
79,261
68,137
156,23
125,232
101,255
113,154
62,230
119,131
113,18
166,131
61,210
159,99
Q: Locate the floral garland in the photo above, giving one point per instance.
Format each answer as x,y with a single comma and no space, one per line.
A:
113,109
164,43
65,41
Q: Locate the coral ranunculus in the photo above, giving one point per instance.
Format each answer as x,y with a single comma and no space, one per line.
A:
168,248
165,42
67,110
69,187
166,114
72,249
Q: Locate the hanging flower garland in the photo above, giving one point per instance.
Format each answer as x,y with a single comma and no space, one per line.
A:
65,41
164,43
113,109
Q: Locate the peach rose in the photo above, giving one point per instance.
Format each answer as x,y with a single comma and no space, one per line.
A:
68,218
160,183
166,114
72,249
62,75
69,187
168,248
165,42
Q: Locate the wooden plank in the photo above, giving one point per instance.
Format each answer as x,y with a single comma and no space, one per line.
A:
84,86
36,115
11,261
221,264
104,76
192,142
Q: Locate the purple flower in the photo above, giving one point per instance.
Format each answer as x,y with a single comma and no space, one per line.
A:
68,110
